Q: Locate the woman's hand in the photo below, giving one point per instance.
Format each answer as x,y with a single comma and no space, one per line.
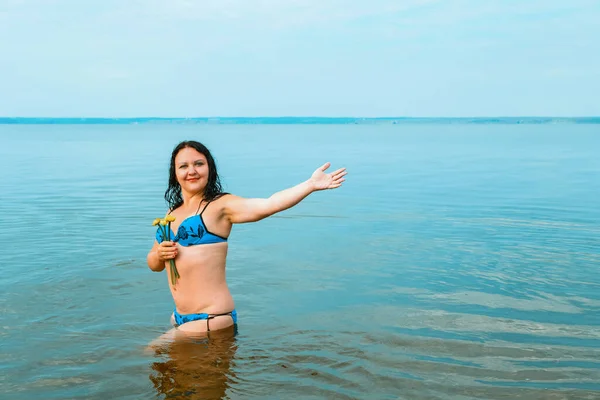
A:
166,251
322,180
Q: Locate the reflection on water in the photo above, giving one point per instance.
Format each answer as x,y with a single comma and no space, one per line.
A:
194,368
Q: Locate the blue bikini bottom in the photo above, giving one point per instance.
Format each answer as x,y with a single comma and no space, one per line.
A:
181,319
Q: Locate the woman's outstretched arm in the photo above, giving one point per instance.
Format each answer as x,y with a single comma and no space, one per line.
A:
239,210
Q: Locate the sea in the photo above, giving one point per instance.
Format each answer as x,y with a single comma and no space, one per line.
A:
459,260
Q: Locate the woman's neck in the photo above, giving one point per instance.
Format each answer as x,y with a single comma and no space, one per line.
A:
190,199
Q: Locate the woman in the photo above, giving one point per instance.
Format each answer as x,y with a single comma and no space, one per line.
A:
204,216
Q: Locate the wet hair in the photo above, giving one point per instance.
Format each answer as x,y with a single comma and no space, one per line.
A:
213,187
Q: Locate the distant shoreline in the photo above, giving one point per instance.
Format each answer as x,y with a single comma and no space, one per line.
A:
299,120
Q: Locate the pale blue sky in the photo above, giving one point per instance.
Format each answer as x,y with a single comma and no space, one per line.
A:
187,58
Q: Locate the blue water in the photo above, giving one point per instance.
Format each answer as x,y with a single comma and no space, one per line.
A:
456,262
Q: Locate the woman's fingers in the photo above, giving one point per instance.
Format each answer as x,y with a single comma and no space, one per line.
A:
335,183
168,250
339,173
338,178
169,256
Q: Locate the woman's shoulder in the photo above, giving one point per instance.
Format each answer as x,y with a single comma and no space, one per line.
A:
222,198
221,195
174,211
225,197
224,201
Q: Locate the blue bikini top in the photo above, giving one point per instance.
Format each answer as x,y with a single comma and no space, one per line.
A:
192,231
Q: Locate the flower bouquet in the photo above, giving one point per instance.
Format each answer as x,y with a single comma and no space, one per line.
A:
164,224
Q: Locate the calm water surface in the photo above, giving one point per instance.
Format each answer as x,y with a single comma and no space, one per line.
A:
457,262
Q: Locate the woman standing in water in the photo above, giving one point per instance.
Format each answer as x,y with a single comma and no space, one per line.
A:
204,216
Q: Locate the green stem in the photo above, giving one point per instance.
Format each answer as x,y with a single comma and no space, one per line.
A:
166,231
162,230
174,273
171,273
165,236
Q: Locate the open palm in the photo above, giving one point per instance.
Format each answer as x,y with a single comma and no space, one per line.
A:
323,180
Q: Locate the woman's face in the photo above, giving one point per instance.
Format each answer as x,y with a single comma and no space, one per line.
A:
191,170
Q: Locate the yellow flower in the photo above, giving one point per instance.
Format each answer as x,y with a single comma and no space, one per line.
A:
165,230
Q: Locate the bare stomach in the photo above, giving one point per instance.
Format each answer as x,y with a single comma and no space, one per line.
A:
202,286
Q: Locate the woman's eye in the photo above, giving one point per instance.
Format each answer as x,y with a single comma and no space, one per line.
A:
183,166
199,164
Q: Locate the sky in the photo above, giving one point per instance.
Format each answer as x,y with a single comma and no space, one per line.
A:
336,58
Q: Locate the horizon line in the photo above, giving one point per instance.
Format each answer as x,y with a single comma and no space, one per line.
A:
305,116
295,120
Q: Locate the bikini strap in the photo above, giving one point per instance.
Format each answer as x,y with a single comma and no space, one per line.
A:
218,196
199,205
202,212
211,316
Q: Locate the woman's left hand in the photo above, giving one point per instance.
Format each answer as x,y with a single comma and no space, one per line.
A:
322,180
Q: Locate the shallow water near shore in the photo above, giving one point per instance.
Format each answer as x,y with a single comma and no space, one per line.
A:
456,262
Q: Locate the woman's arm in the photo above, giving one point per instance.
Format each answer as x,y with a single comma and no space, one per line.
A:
240,210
